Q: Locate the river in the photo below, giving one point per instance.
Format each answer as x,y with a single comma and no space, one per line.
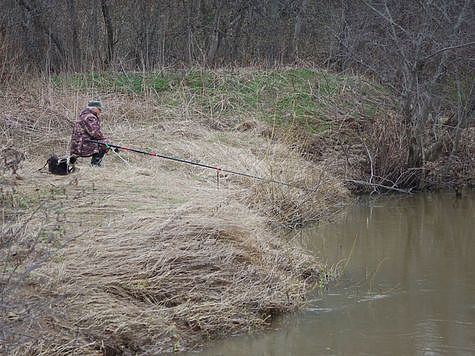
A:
407,287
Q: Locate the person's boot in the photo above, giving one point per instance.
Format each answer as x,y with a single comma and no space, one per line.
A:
96,160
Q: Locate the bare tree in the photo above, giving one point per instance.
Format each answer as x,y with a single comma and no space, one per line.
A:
417,48
109,32
76,47
298,28
41,33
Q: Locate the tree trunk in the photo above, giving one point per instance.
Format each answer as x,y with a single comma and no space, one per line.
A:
341,54
41,25
188,8
215,37
298,29
109,32
235,27
76,47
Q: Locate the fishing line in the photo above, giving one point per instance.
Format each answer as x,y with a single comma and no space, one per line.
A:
218,169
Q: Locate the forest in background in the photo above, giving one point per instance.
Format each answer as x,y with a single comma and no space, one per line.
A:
421,52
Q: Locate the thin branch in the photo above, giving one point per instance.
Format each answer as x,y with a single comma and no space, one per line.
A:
388,19
362,182
448,49
370,161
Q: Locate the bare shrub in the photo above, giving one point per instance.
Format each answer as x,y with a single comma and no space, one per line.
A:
29,238
11,160
385,144
454,170
10,59
420,51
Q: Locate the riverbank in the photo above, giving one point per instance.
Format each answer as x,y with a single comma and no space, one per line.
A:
145,255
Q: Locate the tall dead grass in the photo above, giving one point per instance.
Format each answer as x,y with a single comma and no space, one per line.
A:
153,257
180,279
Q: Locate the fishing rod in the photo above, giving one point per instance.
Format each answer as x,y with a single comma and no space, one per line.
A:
217,168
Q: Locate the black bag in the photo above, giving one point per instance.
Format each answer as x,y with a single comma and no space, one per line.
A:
61,166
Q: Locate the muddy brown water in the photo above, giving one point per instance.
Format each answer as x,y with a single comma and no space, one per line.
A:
408,286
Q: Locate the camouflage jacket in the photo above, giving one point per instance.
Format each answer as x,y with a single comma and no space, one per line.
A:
87,127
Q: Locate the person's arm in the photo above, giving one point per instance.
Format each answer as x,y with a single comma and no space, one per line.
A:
93,128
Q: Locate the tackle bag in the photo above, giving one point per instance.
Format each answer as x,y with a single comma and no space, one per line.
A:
61,166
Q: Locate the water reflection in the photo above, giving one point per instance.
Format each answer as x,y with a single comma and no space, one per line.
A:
408,285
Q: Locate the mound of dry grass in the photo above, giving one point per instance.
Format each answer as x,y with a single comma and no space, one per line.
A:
179,279
146,255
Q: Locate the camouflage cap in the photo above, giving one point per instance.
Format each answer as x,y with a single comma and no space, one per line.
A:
95,104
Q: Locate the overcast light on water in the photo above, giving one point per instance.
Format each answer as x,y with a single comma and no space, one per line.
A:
408,287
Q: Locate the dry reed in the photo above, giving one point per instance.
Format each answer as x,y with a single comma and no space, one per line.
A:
152,257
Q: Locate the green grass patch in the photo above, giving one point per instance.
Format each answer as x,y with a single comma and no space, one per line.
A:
198,81
286,96
110,82
160,84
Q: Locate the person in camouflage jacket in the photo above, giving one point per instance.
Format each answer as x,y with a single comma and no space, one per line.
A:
88,127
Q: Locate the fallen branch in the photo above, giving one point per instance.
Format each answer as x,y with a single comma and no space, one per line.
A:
362,182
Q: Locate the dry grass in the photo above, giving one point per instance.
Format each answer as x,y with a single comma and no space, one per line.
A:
147,255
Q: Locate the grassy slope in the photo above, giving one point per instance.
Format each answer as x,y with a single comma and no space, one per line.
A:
147,255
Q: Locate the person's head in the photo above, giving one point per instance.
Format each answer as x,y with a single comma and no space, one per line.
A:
95,106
